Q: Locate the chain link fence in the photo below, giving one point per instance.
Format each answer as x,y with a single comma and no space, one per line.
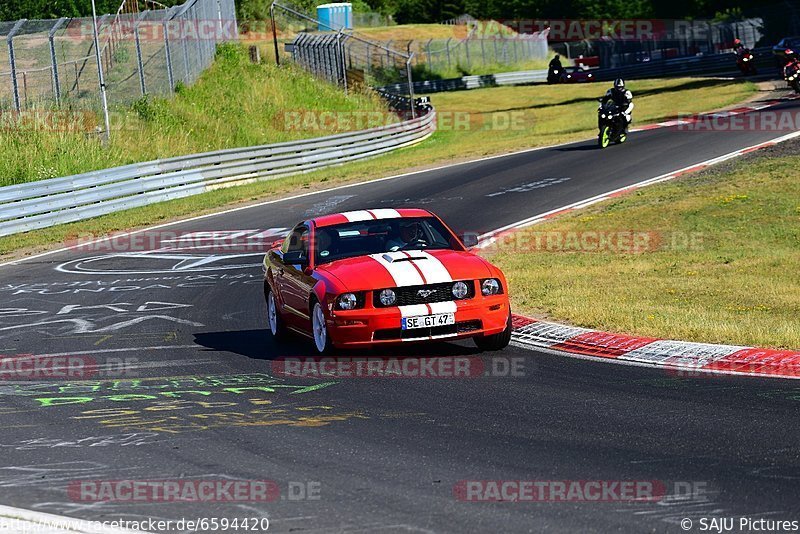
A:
144,49
349,59
338,55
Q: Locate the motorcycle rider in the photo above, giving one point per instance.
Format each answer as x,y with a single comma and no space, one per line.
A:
555,70
622,98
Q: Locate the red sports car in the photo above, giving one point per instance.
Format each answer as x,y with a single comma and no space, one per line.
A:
383,276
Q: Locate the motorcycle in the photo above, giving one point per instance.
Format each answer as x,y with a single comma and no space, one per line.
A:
555,75
612,124
791,73
746,62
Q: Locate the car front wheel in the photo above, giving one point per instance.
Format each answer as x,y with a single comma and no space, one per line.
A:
495,341
319,329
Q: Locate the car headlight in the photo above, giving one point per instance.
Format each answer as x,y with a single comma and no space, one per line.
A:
388,297
490,286
347,301
460,290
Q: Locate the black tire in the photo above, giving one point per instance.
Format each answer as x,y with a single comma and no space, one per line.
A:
277,327
604,137
495,341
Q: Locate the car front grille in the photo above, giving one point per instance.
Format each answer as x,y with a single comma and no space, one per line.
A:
410,295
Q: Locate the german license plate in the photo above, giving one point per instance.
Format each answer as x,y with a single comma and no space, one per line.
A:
428,321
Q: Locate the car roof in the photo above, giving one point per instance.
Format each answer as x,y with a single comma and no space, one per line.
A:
368,215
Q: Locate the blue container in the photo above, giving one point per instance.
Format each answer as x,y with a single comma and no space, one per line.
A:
333,17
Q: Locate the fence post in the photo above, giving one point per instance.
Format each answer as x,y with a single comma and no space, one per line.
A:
274,34
466,50
428,53
483,50
12,60
170,74
340,57
369,58
447,48
137,42
53,60
186,77
411,86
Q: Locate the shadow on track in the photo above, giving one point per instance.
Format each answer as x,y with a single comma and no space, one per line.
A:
259,345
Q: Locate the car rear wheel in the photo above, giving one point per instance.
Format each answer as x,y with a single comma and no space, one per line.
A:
496,341
319,329
274,319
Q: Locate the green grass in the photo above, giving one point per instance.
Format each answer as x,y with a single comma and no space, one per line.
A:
723,271
544,115
235,103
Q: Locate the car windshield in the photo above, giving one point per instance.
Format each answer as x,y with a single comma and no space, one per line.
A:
378,236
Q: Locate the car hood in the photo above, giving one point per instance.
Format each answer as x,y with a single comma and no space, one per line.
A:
398,269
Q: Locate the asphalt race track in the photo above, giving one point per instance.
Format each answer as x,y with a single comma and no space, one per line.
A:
185,387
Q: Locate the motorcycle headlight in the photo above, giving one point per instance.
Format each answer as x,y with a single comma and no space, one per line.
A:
388,297
490,286
347,301
602,115
460,290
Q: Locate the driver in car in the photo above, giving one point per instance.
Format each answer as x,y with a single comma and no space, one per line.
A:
407,234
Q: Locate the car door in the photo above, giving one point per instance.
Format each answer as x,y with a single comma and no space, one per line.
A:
294,279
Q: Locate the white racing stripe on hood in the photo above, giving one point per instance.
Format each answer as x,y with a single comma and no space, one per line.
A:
402,272
413,310
443,307
432,269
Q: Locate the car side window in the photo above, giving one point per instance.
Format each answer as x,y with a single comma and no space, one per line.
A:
297,241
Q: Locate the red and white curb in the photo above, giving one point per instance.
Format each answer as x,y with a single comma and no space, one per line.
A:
690,358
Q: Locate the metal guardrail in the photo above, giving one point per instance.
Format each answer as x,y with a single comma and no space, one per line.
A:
713,65
46,203
471,82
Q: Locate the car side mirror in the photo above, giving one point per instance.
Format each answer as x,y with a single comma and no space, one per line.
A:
470,239
295,257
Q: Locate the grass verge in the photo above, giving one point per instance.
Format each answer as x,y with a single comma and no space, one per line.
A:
542,115
235,103
720,267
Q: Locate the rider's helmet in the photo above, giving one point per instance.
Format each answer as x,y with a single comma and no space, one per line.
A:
619,84
736,42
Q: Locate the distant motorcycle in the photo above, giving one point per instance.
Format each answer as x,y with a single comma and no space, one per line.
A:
612,124
791,73
555,75
746,62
